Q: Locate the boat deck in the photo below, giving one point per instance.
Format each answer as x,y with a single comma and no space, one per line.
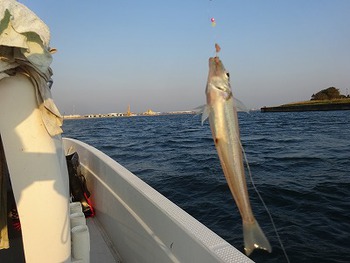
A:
101,249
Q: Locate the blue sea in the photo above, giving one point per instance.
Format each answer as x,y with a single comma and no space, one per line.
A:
300,163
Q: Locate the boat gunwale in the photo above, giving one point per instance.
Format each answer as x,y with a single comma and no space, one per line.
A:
214,245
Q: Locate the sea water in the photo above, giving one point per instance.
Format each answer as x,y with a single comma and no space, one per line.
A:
300,163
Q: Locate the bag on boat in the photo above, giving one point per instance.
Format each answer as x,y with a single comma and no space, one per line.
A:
4,239
77,185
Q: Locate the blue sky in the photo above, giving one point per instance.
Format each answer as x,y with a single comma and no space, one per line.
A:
154,54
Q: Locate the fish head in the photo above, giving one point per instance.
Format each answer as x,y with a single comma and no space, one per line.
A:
218,85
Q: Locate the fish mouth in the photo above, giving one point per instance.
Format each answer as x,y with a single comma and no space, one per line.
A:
215,62
216,68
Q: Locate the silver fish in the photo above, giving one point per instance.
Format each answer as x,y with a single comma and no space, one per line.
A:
222,113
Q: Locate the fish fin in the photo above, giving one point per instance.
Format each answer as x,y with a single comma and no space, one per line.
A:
204,110
254,238
205,114
240,105
198,110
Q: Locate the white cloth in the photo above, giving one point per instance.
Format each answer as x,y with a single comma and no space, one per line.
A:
24,48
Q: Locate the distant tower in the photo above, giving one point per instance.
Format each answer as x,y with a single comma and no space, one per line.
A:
128,113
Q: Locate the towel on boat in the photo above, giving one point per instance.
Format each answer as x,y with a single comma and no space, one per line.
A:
4,239
24,48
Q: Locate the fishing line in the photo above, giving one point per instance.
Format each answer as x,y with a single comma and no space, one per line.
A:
212,19
262,201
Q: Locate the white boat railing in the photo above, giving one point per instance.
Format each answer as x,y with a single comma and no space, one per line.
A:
142,224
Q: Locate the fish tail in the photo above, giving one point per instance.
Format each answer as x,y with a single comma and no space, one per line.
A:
254,238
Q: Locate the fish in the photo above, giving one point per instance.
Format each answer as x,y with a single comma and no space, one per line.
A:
221,109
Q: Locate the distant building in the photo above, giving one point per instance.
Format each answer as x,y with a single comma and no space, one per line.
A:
72,116
149,112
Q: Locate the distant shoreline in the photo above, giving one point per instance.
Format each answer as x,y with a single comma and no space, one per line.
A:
123,115
321,105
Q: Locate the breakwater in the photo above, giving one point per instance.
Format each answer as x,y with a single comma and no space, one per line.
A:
307,107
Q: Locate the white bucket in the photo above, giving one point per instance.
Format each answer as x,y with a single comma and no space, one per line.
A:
81,243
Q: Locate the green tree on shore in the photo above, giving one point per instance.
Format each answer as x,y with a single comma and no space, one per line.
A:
330,93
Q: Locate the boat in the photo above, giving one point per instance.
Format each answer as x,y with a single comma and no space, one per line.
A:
132,222
135,223
139,223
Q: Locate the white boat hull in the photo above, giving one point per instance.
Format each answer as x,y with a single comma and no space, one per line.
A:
141,224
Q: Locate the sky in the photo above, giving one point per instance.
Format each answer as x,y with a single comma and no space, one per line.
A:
154,54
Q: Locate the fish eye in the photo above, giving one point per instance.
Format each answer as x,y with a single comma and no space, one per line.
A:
228,74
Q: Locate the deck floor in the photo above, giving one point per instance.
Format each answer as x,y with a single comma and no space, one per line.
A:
100,251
